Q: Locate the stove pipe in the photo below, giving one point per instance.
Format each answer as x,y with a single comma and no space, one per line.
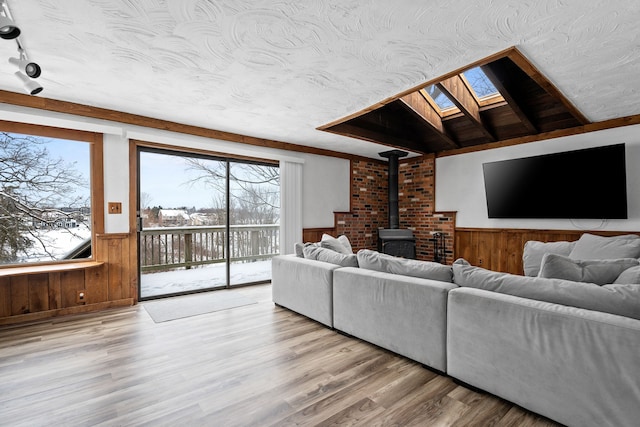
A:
394,214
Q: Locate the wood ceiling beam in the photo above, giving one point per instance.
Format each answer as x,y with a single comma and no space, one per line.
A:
501,83
460,94
539,78
354,131
418,105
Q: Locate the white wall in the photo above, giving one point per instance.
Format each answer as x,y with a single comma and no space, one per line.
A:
325,189
116,182
325,179
460,183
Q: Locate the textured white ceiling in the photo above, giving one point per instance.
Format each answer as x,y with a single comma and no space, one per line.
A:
278,69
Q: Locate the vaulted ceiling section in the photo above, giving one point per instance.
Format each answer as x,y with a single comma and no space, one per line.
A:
526,104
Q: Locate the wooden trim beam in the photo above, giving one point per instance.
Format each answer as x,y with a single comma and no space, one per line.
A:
418,105
591,127
81,110
526,66
509,97
460,94
353,131
503,53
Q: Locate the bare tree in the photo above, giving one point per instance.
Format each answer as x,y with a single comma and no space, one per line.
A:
255,189
36,191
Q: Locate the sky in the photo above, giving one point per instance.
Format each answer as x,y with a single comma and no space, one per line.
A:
72,152
165,179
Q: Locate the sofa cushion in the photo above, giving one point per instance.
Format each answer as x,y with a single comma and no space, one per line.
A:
345,242
340,244
535,250
600,272
319,253
590,246
298,249
377,261
629,276
620,299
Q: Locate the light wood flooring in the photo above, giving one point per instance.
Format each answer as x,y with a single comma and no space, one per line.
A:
257,365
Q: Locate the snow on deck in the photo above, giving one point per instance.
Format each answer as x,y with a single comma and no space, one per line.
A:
176,281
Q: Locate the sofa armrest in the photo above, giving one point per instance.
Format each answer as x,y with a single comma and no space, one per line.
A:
304,286
406,315
576,366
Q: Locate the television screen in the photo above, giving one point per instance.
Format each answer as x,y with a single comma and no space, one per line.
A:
588,183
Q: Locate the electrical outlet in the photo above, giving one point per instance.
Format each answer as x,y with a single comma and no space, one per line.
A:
81,297
480,261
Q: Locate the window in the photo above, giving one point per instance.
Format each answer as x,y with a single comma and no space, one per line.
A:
477,84
480,83
441,100
45,196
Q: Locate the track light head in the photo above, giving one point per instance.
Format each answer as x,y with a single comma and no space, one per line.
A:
31,69
8,29
31,86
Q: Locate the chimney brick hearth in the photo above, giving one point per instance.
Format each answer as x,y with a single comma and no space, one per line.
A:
369,208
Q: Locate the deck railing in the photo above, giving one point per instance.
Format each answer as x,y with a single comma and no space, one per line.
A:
168,248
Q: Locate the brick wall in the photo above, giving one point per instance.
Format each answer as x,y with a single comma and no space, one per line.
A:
416,184
369,206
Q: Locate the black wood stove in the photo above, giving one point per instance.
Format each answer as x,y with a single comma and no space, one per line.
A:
393,240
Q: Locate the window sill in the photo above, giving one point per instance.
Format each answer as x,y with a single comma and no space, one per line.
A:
49,268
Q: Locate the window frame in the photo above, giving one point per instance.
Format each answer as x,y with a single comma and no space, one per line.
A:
96,165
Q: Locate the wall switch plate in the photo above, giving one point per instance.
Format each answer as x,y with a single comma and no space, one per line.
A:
115,207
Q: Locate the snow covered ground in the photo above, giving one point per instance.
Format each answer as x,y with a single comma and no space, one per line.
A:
154,284
58,241
61,241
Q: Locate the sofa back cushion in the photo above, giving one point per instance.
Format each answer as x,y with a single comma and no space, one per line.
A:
377,261
620,299
628,276
319,253
590,246
340,244
598,271
535,250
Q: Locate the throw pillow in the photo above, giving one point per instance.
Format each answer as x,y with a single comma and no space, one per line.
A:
623,300
298,247
319,253
373,260
600,272
345,242
330,242
590,246
629,276
535,250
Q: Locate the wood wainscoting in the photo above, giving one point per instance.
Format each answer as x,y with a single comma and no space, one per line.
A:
30,293
500,249
315,234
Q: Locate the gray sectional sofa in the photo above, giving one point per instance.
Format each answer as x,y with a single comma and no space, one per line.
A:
567,349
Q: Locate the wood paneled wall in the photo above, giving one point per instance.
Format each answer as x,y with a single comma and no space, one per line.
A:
107,282
501,249
315,234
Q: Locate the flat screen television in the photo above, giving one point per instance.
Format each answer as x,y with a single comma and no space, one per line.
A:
587,183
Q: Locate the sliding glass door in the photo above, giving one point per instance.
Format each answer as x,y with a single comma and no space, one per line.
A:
204,222
254,218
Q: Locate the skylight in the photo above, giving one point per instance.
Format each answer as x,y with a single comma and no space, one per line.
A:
441,100
480,83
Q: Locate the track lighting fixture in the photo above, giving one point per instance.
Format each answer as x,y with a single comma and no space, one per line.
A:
31,86
8,29
27,69
31,69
